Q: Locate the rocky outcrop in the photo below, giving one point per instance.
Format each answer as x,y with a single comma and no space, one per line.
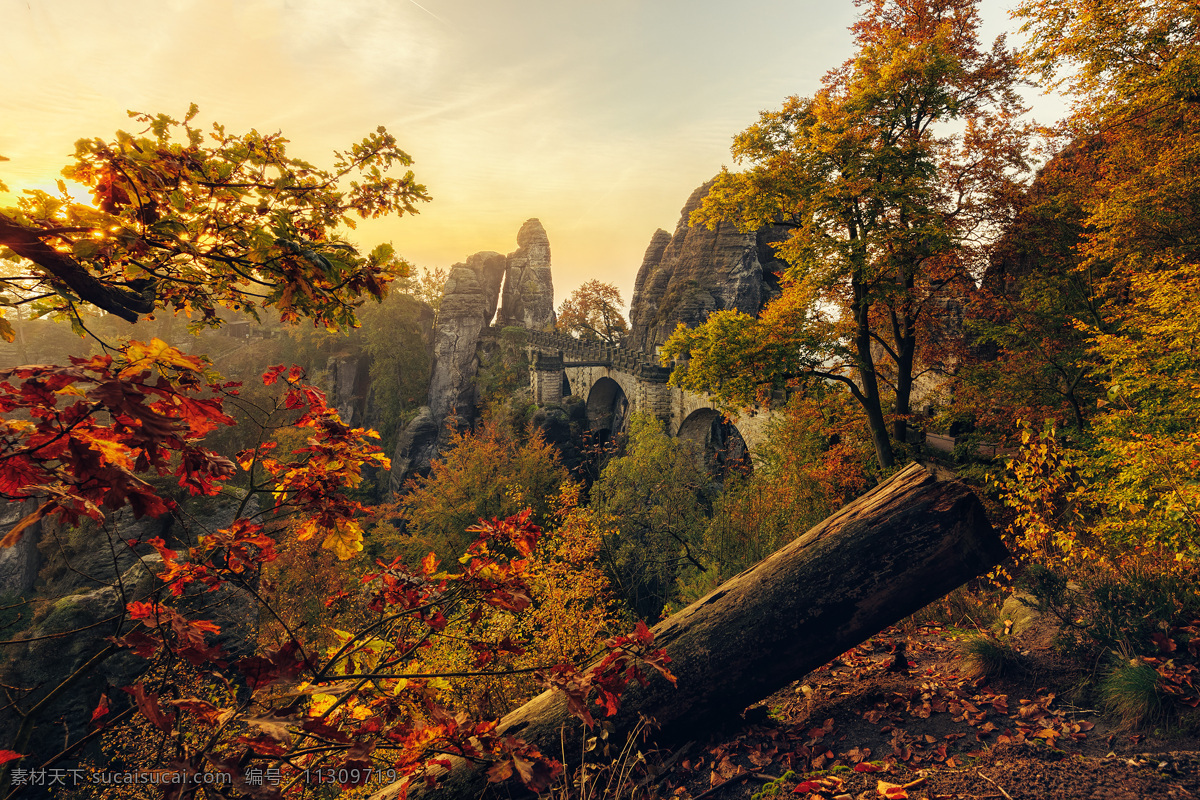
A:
528,287
686,276
415,449
88,576
469,302
349,386
380,374
468,305
19,563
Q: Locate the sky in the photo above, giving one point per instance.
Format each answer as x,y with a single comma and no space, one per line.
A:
599,117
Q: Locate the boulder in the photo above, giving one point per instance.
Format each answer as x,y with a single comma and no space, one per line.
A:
1019,613
84,587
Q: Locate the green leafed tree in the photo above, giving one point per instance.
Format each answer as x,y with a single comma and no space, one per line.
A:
889,177
656,499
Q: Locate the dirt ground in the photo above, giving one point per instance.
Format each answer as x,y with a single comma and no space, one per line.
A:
852,728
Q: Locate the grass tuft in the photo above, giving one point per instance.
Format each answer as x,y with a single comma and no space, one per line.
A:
985,657
1131,693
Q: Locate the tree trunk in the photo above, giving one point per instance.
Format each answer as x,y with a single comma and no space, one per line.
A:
906,347
870,397
899,547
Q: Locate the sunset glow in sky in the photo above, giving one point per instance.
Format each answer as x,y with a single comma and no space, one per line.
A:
599,118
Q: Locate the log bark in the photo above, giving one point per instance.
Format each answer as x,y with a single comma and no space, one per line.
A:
884,556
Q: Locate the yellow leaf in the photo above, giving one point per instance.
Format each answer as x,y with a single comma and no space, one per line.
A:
6,330
320,704
345,540
143,357
112,452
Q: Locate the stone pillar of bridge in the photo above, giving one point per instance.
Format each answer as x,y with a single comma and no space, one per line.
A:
545,378
654,395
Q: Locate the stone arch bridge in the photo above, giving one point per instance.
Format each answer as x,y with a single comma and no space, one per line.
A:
617,382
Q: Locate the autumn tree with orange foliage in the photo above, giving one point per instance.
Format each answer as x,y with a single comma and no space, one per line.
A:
485,473
593,314
889,177
1133,70
572,612
233,223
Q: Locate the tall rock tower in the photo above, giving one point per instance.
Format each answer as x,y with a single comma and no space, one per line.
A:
528,300
470,297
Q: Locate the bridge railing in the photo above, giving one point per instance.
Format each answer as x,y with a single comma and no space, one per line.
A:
589,351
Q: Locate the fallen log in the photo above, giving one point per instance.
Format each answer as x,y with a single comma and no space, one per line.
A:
892,551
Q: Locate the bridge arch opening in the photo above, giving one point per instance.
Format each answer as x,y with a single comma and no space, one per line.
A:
566,385
607,408
719,445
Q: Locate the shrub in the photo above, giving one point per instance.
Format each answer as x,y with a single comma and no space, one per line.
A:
1121,607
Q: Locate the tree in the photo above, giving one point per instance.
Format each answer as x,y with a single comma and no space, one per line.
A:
1027,323
191,225
236,224
593,314
482,474
888,177
815,460
655,500
1134,69
428,288
889,553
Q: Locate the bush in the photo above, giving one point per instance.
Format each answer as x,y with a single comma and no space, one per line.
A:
1125,609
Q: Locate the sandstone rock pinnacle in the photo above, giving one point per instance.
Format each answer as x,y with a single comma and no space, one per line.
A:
528,286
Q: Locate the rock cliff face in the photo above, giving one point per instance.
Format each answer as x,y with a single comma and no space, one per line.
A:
528,286
349,386
468,305
88,576
469,302
686,276
415,449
